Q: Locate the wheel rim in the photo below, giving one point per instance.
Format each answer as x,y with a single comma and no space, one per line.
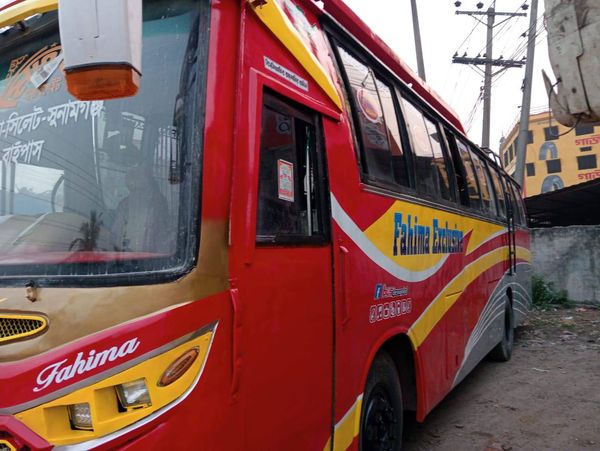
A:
379,422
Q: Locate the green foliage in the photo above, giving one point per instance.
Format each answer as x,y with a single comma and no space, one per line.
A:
546,296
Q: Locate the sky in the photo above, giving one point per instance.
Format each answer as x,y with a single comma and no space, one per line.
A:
442,34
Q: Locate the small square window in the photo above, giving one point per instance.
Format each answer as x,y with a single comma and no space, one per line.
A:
584,130
553,166
529,137
587,162
530,169
551,133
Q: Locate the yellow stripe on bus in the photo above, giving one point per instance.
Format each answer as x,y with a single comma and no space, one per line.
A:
274,18
421,329
23,10
347,428
381,232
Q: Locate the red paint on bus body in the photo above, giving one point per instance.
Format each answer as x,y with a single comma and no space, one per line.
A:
269,379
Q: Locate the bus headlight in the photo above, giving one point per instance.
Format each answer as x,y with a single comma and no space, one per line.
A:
133,395
81,416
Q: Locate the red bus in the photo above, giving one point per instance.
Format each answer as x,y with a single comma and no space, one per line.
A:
283,241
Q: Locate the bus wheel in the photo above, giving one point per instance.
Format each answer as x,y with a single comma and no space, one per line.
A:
503,351
381,415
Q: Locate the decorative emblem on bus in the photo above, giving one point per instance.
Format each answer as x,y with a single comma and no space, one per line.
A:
18,79
368,105
63,371
414,238
383,291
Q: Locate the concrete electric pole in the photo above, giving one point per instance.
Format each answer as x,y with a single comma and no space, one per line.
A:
488,61
526,104
487,85
417,32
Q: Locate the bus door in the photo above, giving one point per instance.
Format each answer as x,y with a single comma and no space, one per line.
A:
285,286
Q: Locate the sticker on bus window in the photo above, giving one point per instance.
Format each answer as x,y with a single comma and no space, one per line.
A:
369,105
285,177
16,82
284,124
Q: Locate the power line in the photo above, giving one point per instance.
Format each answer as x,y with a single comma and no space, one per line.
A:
487,59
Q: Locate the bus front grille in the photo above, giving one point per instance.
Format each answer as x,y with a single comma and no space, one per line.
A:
19,326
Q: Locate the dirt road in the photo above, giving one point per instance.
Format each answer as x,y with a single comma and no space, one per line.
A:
546,398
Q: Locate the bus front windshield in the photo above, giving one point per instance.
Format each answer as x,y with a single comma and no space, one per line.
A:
106,187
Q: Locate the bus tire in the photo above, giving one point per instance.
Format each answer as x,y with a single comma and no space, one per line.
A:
381,413
503,350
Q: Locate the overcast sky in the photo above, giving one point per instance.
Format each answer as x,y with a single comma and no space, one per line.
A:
443,33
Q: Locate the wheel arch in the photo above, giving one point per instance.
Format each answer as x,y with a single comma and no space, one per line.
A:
400,349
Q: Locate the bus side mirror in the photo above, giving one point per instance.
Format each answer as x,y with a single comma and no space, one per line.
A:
102,47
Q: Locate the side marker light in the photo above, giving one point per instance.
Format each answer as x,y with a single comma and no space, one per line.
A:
178,367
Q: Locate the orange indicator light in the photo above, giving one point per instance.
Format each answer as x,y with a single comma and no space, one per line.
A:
178,368
103,82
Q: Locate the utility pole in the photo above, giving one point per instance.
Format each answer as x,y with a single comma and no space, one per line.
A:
526,104
417,32
487,85
488,61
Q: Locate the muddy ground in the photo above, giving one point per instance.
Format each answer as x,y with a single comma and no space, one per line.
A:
546,398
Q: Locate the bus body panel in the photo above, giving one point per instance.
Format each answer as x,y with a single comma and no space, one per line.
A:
285,295
298,326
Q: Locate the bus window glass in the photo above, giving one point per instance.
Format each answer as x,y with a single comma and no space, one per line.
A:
473,186
439,160
399,165
108,186
522,211
374,133
289,203
518,208
487,190
486,194
490,184
430,165
459,170
500,194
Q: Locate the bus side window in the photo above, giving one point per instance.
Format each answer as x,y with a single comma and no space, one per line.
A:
487,191
431,162
472,183
291,195
459,170
522,210
383,157
500,192
518,208
510,198
398,156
